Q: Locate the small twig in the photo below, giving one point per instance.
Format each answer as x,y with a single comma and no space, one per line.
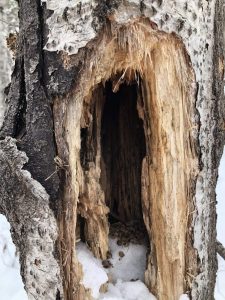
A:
59,165
220,249
51,175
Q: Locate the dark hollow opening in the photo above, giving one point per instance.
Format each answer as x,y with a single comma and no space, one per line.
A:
123,148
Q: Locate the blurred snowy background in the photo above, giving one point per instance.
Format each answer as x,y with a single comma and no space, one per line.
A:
11,286
220,191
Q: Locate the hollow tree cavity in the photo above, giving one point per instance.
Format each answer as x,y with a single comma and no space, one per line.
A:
123,149
131,149
79,62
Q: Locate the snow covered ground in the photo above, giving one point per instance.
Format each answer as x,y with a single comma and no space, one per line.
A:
11,286
123,275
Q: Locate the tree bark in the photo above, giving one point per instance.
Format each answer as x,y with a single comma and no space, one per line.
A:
64,158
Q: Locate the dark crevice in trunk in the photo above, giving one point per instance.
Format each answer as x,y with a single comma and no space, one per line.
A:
20,119
115,132
112,151
14,123
123,149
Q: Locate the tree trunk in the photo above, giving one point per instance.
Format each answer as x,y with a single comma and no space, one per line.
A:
8,24
115,109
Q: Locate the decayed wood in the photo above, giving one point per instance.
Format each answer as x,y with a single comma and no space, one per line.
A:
183,145
172,167
170,160
182,18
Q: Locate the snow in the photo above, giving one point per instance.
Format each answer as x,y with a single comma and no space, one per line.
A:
121,287
184,297
220,191
131,266
124,277
11,286
129,290
94,274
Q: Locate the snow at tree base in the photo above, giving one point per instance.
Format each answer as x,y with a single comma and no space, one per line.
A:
11,286
172,50
124,272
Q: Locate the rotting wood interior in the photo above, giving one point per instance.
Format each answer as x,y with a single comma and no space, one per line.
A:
122,148
165,106
115,132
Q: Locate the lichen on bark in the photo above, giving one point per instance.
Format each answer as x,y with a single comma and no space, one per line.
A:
34,229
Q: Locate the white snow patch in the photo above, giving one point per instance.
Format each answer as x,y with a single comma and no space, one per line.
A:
135,290
94,273
11,285
124,277
130,267
184,297
220,191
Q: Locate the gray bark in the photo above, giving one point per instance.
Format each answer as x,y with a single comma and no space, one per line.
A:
8,24
26,205
56,43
